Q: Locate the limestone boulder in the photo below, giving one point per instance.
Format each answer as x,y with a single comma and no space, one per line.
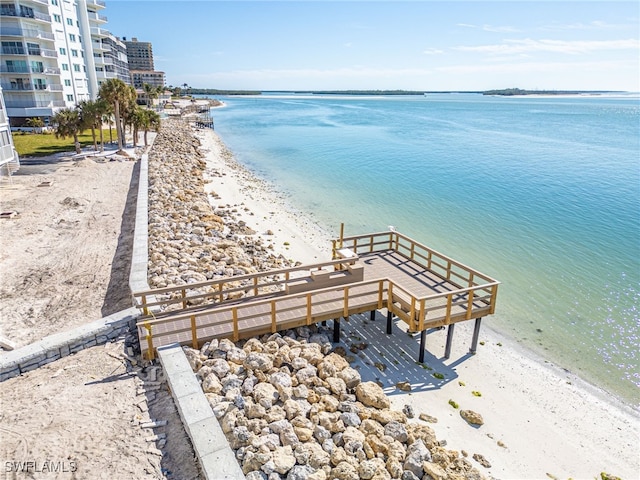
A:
265,394
472,417
350,376
417,454
258,361
283,460
211,384
368,468
371,394
345,471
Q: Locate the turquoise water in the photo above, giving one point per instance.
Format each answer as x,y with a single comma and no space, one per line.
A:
540,193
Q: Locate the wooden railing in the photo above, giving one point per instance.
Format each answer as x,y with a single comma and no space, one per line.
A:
193,295
303,309
476,293
261,297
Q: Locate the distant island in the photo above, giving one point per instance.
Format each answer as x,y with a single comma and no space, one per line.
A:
506,92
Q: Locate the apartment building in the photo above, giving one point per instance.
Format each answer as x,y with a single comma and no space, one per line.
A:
55,53
9,160
141,66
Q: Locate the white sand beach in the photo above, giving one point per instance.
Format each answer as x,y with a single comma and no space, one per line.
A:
540,421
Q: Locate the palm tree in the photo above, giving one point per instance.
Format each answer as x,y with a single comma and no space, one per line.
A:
144,119
68,124
160,91
117,93
152,123
107,117
91,112
36,123
151,92
137,120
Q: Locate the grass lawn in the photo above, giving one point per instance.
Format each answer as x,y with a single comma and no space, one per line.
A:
44,144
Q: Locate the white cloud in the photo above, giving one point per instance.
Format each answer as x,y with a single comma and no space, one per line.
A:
490,28
433,51
512,47
595,25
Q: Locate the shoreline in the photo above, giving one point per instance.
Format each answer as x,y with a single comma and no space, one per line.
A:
549,403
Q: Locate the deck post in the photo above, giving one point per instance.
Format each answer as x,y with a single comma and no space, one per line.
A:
373,316
423,344
447,349
476,334
389,322
336,330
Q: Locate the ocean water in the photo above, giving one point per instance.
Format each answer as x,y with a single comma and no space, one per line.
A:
542,194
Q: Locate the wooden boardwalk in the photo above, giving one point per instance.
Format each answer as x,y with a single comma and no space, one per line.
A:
389,271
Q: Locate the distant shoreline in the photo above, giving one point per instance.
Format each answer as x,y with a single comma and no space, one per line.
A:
507,92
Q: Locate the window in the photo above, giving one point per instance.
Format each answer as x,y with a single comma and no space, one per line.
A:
74,53
67,82
63,51
70,21
69,98
33,48
57,18
54,2
76,67
65,67
4,138
72,37
37,67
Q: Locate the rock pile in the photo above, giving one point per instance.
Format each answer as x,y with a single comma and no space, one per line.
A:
188,241
292,408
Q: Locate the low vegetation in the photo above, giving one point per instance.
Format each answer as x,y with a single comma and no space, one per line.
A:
45,144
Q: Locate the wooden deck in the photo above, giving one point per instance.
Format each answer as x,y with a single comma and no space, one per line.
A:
390,271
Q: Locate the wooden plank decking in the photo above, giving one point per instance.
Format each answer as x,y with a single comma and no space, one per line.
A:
387,270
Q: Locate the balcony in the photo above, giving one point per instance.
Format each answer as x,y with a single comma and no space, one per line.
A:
42,52
101,32
31,103
29,69
26,33
97,17
107,75
41,2
98,3
5,12
16,87
28,87
13,51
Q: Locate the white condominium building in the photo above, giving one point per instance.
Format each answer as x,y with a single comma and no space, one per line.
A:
9,160
55,53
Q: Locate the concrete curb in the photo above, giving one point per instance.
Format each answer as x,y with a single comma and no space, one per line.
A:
61,344
140,256
216,458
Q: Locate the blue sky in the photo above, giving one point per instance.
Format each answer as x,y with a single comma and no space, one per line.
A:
413,45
